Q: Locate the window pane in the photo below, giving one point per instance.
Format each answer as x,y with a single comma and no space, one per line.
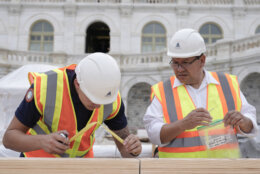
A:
206,40
159,48
47,27
47,47
215,29
160,40
38,38
214,40
148,29
47,38
159,29
204,29
37,27
35,47
147,39
147,48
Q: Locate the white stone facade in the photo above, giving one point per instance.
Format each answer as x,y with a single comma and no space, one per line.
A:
237,53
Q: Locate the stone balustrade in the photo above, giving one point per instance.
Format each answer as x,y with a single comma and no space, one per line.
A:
155,1
222,50
210,2
252,2
246,44
188,2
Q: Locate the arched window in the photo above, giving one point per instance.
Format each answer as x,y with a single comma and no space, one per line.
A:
153,37
41,37
211,33
257,31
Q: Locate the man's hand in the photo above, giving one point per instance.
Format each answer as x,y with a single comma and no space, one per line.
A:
55,143
198,117
236,119
133,145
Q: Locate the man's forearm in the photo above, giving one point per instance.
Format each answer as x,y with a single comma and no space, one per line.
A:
19,141
171,131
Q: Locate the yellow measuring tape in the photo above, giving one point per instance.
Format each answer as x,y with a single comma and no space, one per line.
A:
92,124
113,134
87,127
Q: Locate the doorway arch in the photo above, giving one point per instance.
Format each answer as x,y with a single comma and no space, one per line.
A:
98,38
138,100
250,87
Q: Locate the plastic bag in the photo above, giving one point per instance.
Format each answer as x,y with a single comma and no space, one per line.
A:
220,141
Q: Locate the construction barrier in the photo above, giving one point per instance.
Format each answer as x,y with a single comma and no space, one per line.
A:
128,166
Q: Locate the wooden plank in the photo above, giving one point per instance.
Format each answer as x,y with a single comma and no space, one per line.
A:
200,166
68,166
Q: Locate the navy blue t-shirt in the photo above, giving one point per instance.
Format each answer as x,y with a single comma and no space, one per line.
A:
28,114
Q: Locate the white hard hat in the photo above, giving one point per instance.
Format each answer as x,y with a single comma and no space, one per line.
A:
186,43
99,78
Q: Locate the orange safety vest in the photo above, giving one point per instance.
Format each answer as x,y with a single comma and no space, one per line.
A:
53,101
177,104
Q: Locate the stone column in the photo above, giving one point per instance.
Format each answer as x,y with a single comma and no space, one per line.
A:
239,13
126,10
70,11
14,11
182,13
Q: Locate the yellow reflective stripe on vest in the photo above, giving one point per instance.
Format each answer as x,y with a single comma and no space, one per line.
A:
221,153
186,102
40,128
115,108
155,91
214,104
43,86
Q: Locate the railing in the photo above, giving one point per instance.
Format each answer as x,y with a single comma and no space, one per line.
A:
41,1
98,1
188,2
231,49
24,57
155,1
246,44
211,2
252,2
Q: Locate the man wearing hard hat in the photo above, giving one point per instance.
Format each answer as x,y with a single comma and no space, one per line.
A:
194,97
63,102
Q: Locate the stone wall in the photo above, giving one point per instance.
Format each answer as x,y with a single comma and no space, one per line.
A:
137,101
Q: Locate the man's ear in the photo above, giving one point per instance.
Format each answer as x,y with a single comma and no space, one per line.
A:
203,60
